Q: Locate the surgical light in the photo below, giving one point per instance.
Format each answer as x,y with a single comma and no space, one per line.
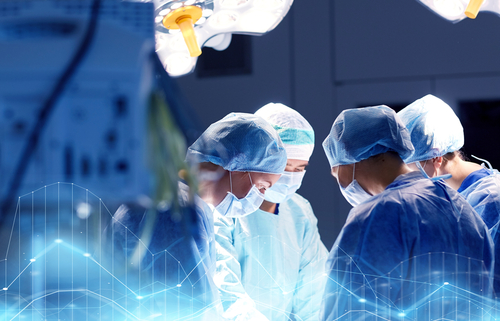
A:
183,18
233,3
209,23
457,10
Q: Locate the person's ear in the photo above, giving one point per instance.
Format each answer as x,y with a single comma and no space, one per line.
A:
437,162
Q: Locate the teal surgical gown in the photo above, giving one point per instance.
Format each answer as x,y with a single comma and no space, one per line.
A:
271,265
417,251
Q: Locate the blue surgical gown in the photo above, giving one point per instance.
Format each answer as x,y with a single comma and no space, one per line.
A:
482,190
168,259
417,251
271,265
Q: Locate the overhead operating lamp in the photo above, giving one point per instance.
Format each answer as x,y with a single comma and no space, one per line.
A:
457,10
183,27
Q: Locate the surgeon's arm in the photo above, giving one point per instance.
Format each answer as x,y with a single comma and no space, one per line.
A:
312,278
236,302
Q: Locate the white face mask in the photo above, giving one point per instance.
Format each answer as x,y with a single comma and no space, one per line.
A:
354,193
231,206
285,187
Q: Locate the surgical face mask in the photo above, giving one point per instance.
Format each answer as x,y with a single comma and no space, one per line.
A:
354,193
231,206
285,187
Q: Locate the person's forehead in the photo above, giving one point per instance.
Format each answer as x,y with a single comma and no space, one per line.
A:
296,162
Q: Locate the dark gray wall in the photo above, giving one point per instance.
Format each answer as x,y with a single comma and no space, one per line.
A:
329,55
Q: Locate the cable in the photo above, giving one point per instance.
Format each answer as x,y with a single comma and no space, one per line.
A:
46,110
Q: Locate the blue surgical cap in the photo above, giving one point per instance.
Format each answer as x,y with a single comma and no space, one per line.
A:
240,142
360,133
434,128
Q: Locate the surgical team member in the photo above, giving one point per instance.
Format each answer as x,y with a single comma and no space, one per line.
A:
411,247
240,156
270,264
437,135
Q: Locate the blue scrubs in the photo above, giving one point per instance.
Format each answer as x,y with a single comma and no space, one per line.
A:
416,251
482,190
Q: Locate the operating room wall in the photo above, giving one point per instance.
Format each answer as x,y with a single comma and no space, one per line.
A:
326,56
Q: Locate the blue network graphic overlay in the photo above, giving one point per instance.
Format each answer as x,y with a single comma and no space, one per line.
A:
64,255
58,263
432,286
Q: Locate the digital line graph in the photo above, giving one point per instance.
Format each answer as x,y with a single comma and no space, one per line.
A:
58,263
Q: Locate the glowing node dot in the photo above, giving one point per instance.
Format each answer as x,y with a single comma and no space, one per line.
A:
362,300
446,283
86,254
179,285
5,289
402,314
139,297
58,241
32,260
324,274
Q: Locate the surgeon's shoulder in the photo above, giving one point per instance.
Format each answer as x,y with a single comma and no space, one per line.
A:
489,184
386,205
299,205
299,200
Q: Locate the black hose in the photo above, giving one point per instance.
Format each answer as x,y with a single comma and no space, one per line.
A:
45,112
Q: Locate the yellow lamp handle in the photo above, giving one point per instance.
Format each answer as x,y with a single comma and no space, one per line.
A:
185,23
473,8
183,18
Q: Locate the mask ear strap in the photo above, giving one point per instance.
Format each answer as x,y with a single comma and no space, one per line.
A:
422,169
230,182
250,178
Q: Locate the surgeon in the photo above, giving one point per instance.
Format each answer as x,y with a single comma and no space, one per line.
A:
411,248
270,264
437,135
238,157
